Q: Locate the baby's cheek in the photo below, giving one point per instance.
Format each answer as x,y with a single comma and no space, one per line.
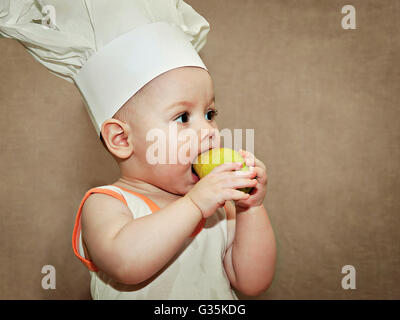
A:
175,179
187,151
175,171
166,172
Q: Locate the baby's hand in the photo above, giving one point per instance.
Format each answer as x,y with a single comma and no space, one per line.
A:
257,195
220,185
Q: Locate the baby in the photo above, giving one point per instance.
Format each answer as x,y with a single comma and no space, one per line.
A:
159,232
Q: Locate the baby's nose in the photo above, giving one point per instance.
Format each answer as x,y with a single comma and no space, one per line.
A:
210,137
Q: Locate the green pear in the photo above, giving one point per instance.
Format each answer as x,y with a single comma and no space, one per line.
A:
212,158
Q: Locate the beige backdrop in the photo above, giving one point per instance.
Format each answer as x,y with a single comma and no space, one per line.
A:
324,103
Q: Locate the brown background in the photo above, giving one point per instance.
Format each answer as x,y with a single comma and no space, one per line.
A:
324,103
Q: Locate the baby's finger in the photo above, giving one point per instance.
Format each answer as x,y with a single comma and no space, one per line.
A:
237,174
245,203
249,158
237,195
228,166
260,164
245,173
253,160
261,175
238,183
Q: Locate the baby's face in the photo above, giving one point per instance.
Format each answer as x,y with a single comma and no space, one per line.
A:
170,109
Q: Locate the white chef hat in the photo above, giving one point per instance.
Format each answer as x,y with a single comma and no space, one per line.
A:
110,49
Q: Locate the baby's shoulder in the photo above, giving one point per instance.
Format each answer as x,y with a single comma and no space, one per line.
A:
102,203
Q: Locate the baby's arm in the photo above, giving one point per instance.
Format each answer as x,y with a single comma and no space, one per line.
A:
250,261
132,250
251,258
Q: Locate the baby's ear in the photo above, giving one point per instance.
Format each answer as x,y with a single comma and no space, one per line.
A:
102,141
117,138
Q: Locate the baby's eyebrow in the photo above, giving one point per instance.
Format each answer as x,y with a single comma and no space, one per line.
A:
180,103
186,103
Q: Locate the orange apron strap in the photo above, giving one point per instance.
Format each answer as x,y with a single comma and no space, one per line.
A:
77,227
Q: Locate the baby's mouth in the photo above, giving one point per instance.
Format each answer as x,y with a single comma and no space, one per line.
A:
194,174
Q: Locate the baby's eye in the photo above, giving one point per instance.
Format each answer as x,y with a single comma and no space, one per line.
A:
184,117
211,114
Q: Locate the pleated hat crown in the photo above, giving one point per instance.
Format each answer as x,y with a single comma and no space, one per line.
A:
110,49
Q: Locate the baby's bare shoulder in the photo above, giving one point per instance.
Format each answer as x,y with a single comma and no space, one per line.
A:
98,203
103,214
